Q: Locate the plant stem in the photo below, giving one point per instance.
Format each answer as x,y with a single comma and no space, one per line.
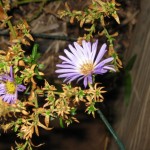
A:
11,29
54,37
30,1
46,36
109,127
9,22
109,37
27,1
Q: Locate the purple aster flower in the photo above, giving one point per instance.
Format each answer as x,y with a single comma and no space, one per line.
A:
83,61
9,89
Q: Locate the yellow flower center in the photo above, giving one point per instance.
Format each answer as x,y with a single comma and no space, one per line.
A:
10,87
87,68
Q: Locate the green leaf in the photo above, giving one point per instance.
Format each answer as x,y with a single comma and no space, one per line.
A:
34,51
61,122
18,80
91,109
32,59
128,87
37,74
41,66
27,60
81,93
131,62
2,65
73,111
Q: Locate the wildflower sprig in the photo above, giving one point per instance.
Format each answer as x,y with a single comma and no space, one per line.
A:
64,104
25,105
5,19
58,105
95,15
33,58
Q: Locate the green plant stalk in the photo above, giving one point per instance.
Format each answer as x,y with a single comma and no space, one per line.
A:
46,36
109,127
11,29
27,1
31,1
36,101
9,23
109,37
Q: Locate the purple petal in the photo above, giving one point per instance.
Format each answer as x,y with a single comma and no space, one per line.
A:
15,97
68,75
66,66
7,97
6,78
94,49
80,78
102,63
103,71
11,72
78,47
65,70
70,55
65,59
70,79
12,98
90,79
86,49
109,68
89,46
2,89
100,70
21,87
72,75
100,54
85,81
78,55
2,86
82,53
2,92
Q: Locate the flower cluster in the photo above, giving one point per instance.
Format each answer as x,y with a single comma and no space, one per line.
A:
9,89
84,61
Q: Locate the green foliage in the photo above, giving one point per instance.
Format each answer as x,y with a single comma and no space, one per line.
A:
94,15
128,79
130,63
128,87
33,58
48,102
61,122
90,109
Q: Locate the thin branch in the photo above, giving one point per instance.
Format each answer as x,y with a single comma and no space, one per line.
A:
30,1
54,37
45,36
14,34
109,127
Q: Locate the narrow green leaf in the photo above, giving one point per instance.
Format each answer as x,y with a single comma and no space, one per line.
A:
73,111
128,87
131,62
61,122
34,51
